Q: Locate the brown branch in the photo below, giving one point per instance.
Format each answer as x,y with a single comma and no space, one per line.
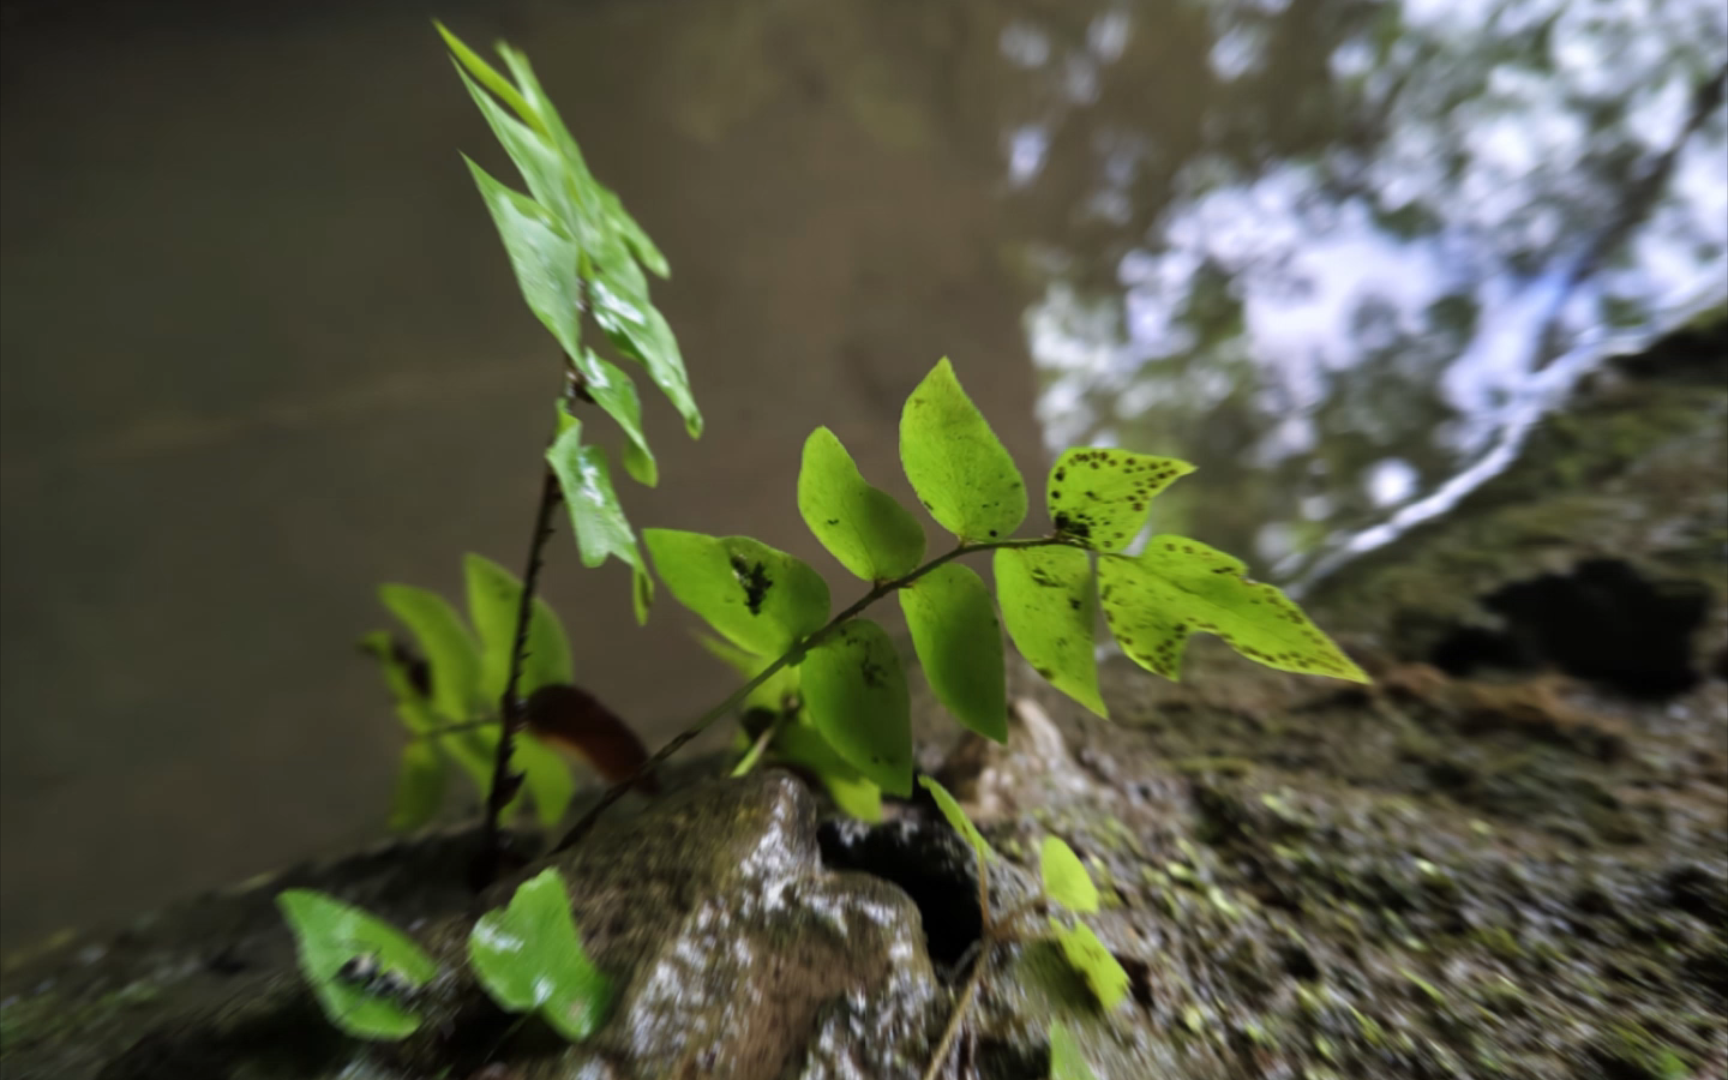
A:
506,783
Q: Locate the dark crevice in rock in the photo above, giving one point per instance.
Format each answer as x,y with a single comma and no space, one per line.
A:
929,862
1604,622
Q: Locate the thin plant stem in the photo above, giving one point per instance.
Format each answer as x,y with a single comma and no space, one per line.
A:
510,708
796,653
760,746
957,1018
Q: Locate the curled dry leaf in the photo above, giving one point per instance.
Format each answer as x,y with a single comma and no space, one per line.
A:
576,720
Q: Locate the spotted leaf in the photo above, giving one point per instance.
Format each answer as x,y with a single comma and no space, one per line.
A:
1101,498
1179,587
856,693
959,642
760,599
1050,607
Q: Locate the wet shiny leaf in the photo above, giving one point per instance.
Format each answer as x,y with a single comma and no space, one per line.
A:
494,595
1179,587
1065,878
857,697
595,514
542,255
329,935
1050,607
444,641
871,534
958,467
1088,956
957,818
529,958
1102,498
760,599
959,642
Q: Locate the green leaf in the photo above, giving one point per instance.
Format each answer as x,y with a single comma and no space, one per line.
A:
444,641
760,599
1178,587
543,256
956,464
614,392
543,168
962,824
529,958
329,934
1088,956
547,778
857,697
382,647
484,72
1065,1060
799,743
1065,878
1102,498
959,642
494,594
1050,606
598,519
871,534
636,328
419,786
632,234
771,695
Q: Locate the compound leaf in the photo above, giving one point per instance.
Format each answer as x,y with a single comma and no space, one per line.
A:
529,958
871,534
543,256
494,594
595,514
960,470
857,697
419,786
444,641
1050,606
1101,498
760,599
1178,587
959,642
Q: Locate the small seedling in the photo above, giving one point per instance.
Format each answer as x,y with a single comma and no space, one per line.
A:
1066,884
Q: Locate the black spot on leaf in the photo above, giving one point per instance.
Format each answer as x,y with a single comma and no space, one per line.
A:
754,578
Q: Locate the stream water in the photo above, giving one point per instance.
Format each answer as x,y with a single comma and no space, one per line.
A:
262,350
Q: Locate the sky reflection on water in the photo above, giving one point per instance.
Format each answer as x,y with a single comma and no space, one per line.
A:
1392,237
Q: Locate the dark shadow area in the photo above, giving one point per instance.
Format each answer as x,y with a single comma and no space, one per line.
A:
1604,622
929,862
